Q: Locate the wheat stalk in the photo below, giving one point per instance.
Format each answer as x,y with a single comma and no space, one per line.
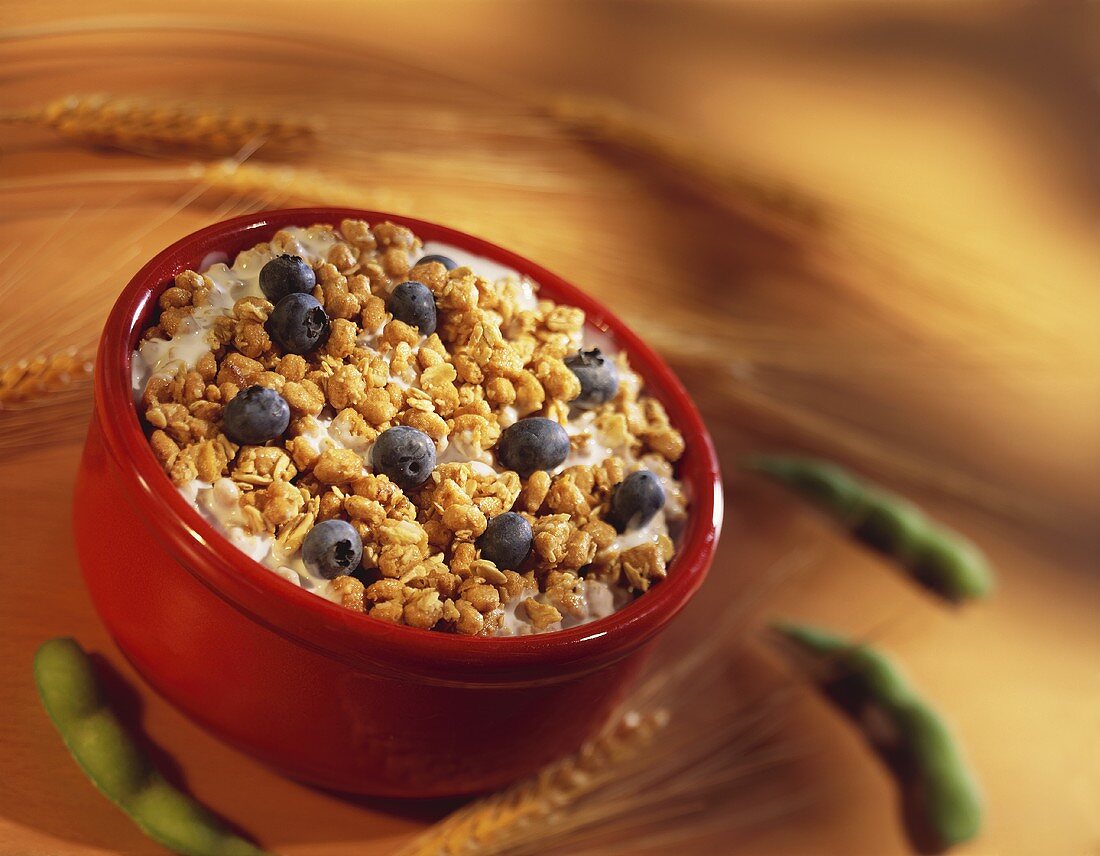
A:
50,421
873,239
301,184
141,124
638,780
721,182
638,773
771,416
44,400
47,374
492,820
232,177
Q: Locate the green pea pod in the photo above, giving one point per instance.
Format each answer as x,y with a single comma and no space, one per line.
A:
952,563
75,702
826,483
948,793
937,557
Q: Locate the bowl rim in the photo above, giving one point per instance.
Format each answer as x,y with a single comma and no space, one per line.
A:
327,627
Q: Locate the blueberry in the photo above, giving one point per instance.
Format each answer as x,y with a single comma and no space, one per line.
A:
450,264
405,455
255,415
285,275
598,376
535,443
636,500
332,549
506,541
414,304
298,324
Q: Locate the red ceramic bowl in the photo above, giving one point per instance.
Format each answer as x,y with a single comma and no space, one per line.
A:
328,696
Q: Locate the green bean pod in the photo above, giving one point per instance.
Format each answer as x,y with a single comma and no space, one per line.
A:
108,755
949,796
936,556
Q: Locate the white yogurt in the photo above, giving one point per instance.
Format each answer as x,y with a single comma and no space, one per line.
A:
229,284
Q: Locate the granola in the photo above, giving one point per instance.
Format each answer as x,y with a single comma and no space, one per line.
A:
477,370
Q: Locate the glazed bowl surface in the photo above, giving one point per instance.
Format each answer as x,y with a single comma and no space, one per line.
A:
326,695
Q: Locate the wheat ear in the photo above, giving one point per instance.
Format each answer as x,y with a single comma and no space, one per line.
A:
142,124
232,177
487,821
251,178
46,374
719,181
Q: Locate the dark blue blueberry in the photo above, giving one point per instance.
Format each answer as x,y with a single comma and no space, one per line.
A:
506,541
414,304
285,275
255,415
535,443
332,549
405,455
450,264
298,324
598,376
636,501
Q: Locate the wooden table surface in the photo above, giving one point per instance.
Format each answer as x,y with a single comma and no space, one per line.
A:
933,323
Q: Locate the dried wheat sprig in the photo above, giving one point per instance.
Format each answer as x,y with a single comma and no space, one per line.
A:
49,421
873,238
47,374
233,177
711,758
480,825
761,409
75,321
774,418
145,125
636,766
721,182
289,181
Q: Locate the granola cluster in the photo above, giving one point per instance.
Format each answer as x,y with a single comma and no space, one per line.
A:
497,355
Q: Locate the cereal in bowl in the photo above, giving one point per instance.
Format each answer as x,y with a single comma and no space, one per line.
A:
408,430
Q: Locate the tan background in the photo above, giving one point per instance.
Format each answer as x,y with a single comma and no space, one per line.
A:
933,321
